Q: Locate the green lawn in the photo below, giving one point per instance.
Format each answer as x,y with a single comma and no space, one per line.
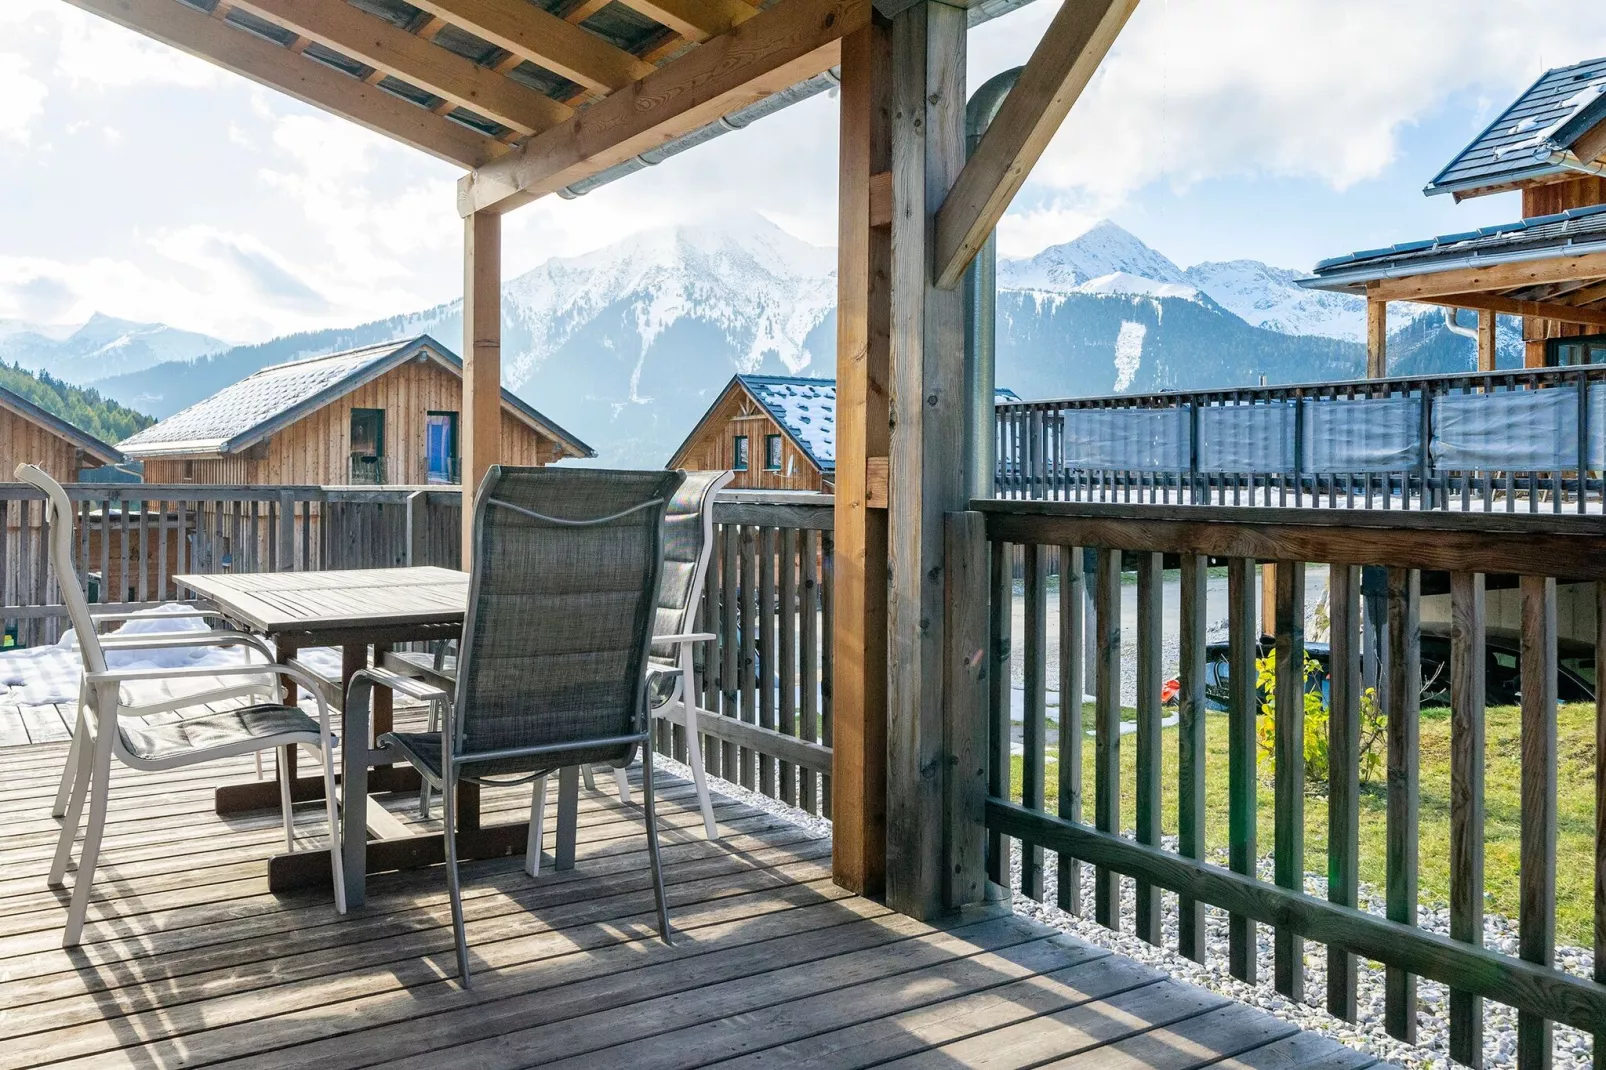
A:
1576,809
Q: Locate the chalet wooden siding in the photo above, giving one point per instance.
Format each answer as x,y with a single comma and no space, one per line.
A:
22,440
316,450
712,446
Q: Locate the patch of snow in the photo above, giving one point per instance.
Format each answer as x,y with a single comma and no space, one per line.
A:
1121,282
1104,250
808,409
1128,353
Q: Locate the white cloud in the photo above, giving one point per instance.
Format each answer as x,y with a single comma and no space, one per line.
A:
96,53
1206,89
24,96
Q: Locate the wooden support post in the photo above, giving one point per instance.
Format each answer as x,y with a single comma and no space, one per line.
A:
966,614
1377,338
482,359
1486,340
859,579
926,470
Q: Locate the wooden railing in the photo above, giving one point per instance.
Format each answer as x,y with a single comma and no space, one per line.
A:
767,597
1519,440
1059,829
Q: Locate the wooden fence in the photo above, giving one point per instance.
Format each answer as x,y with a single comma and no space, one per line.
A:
1053,818
767,598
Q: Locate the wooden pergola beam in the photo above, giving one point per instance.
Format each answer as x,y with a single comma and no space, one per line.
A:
775,49
1494,277
695,20
1061,66
544,39
393,51
1591,317
190,30
1595,291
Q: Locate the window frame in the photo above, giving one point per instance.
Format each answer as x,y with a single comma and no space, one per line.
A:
780,453
1553,349
379,450
454,455
739,453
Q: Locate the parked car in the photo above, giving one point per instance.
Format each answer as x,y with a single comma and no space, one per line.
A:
1575,675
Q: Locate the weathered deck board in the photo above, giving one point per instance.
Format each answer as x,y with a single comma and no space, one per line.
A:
188,959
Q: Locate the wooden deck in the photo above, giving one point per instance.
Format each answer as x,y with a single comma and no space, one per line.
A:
189,960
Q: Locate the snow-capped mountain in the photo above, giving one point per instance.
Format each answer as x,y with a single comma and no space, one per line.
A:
627,346
1104,250
99,347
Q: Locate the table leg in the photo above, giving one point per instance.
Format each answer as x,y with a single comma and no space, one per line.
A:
568,815
285,652
354,781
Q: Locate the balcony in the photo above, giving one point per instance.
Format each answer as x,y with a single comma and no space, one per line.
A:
367,470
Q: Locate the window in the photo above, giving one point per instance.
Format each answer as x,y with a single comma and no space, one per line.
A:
739,453
1571,352
367,445
772,453
440,447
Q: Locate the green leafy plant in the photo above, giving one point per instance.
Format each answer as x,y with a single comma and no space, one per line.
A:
1317,759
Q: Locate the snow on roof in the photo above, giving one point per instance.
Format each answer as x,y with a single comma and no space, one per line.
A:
1558,109
806,409
274,397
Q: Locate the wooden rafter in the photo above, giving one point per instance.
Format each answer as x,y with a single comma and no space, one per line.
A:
532,34
393,51
1595,291
1512,306
1493,278
1592,144
266,63
695,20
1060,68
777,48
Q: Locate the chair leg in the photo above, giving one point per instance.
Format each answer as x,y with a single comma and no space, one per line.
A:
83,764
258,756
532,846
589,780
70,770
426,791
694,758
99,788
283,762
453,889
652,843
332,809
622,778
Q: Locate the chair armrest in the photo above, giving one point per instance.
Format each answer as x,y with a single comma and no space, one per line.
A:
687,637
411,686
119,676
189,614
182,639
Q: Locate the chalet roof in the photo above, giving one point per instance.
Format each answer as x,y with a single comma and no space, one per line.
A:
21,406
1557,110
1571,233
267,401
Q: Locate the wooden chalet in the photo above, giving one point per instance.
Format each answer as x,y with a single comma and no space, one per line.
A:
384,414
1549,267
29,433
775,432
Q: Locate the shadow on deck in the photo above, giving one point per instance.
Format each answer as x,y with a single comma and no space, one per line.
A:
188,959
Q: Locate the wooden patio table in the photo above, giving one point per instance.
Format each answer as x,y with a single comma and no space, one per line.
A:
355,610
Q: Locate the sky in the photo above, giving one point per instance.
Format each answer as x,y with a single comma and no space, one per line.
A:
142,183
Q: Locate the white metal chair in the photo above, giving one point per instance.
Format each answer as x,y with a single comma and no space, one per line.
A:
110,724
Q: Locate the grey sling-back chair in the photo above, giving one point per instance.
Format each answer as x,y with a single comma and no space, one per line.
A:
551,670
110,722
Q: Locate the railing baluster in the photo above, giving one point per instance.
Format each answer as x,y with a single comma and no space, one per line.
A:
827,565
1289,744
786,660
1107,729
1034,764
1072,687
809,719
1467,694
1191,713
999,623
747,667
1536,925
1150,618
766,653
1404,798
1343,774
1241,746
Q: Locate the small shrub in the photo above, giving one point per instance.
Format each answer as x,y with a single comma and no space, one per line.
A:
1317,767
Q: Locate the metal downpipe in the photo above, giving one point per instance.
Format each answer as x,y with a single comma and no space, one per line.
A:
981,311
